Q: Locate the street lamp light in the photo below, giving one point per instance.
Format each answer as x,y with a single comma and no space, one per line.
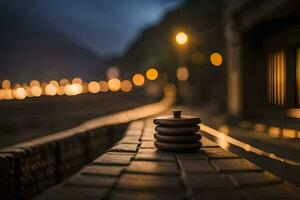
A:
181,38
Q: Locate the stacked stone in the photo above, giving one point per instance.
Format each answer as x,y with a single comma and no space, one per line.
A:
177,133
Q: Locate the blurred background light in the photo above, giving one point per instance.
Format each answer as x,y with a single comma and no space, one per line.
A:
114,84
93,87
216,59
64,82
112,72
138,79
20,93
36,91
182,74
126,86
152,74
103,86
6,84
181,38
77,80
50,90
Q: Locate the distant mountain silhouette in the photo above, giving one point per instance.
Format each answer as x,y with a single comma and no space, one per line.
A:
30,51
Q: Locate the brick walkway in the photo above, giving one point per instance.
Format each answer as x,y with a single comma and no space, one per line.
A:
134,169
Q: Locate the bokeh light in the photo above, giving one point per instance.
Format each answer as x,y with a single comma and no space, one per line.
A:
55,83
75,89
61,90
6,84
126,86
64,82
34,83
181,38
103,86
36,91
138,79
153,89
152,74
93,87
50,90
182,74
113,72
216,59
114,84
77,80
20,93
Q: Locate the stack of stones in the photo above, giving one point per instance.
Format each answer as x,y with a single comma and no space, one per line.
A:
177,133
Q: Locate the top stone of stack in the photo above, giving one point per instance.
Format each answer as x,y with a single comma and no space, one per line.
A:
177,120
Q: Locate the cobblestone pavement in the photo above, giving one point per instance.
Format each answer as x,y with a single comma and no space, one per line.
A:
134,169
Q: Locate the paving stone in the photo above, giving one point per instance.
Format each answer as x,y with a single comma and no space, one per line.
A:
120,153
235,165
129,195
224,194
73,193
217,152
149,132
152,167
202,183
124,148
133,132
196,166
149,182
90,181
191,156
111,159
248,179
129,140
136,125
147,138
279,191
208,143
148,145
158,156
148,151
102,170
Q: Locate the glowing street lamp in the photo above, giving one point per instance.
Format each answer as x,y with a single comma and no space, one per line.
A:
181,38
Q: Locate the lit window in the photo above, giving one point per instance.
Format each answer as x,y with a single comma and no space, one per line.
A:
276,78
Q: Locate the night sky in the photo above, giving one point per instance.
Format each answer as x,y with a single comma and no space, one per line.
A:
106,27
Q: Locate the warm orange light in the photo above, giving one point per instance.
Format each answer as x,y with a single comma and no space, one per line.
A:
6,84
2,94
93,87
181,38
103,86
216,59
71,90
64,82
126,86
114,84
61,90
75,89
55,83
77,80
182,74
138,79
34,83
50,90
20,93
152,74
36,91
113,72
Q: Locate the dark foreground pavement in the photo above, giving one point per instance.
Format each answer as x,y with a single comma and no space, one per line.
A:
134,169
